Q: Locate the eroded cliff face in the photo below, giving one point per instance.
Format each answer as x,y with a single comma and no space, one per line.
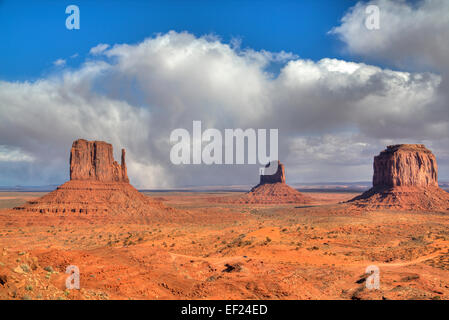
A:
407,165
94,161
405,178
98,185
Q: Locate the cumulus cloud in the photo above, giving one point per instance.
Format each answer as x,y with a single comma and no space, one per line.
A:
413,35
410,35
332,115
98,49
11,154
59,62
331,94
44,117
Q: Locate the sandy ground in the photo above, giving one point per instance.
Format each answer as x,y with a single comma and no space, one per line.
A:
318,251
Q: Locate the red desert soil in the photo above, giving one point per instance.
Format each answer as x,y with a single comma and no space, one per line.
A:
227,251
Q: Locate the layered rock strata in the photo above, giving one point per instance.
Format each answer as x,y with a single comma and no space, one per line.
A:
98,185
405,178
272,189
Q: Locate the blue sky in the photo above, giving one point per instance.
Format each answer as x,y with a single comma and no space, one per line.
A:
34,34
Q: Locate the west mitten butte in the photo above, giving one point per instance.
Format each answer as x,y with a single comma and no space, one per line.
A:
405,177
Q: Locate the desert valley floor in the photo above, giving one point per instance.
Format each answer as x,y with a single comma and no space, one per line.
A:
225,251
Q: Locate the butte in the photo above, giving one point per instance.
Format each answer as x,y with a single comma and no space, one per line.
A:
272,189
405,178
98,186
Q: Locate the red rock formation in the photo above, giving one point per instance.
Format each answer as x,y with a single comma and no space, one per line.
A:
98,185
274,193
94,160
272,189
405,177
91,197
405,165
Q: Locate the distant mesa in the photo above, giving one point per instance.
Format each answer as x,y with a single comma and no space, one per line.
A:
98,185
405,178
272,189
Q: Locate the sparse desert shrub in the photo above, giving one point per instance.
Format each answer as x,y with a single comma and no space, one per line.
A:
49,269
25,267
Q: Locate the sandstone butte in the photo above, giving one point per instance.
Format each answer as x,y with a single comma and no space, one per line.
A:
98,185
405,178
272,189
94,161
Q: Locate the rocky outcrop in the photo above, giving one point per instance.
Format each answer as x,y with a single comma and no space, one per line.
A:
405,178
98,186
94,160
274,193
272,189
405,165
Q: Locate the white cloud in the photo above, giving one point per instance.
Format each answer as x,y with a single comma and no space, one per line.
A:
409,32
98,49
13,154
44,117
59,62
413,35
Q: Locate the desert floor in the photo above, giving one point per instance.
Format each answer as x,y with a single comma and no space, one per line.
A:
226,251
